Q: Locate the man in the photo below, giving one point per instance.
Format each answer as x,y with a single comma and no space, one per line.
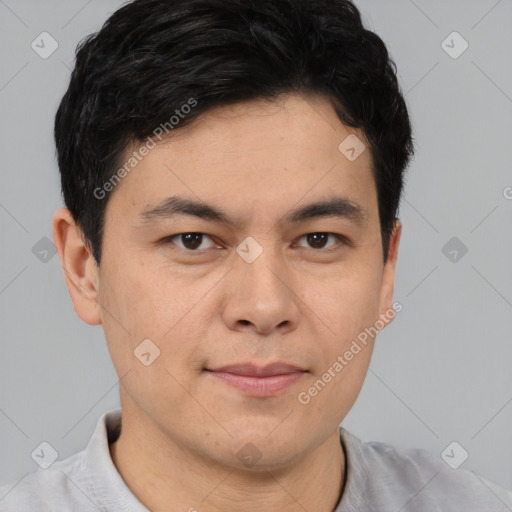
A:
232,171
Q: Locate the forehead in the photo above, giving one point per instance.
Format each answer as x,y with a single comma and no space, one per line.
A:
254,154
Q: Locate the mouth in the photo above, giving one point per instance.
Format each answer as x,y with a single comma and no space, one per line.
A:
258,381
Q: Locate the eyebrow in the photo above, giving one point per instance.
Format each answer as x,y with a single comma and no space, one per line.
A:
337,207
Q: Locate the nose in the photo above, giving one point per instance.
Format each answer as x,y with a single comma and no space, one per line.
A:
260,296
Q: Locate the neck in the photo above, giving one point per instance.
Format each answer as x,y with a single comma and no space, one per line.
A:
159,472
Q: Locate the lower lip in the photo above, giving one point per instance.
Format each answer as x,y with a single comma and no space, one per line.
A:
259,386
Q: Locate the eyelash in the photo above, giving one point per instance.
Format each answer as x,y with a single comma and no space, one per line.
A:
342,241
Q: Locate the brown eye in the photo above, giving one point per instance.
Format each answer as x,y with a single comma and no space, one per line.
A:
190,241
318,241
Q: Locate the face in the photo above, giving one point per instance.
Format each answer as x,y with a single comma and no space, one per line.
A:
252,301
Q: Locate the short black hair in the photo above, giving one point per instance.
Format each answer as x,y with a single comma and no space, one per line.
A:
152,57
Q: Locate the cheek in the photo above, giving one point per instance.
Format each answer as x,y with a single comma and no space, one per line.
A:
141,306
146,301
346,304
350,307
159,306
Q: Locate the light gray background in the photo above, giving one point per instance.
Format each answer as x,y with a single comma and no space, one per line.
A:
440,372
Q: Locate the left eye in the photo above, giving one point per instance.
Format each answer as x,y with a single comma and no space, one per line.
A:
318,239
191,241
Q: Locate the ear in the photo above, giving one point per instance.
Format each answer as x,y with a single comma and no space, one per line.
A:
388,277
80,269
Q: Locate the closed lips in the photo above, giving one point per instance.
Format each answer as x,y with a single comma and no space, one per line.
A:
250,370
258,381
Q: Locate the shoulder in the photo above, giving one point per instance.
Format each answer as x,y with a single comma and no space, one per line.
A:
64,482
83,481
416,479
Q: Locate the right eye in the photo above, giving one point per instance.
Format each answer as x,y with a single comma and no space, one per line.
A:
190,241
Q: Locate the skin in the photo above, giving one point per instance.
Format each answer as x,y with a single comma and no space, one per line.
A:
296,303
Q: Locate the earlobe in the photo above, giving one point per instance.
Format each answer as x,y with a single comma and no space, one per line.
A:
80,269
388,277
